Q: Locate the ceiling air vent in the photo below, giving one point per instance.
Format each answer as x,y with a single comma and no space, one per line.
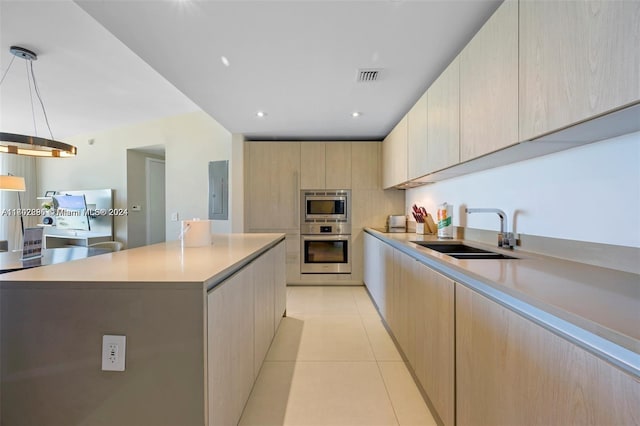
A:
368,75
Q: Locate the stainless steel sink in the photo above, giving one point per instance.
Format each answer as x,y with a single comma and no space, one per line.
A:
462,251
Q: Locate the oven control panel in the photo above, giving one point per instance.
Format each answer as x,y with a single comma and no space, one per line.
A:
324,228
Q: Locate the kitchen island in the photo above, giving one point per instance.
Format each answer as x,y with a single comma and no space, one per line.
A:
531,340
197,321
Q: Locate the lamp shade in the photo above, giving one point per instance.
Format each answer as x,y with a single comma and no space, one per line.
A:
12,183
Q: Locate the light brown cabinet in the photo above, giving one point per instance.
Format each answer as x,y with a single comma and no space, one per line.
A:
312,175
325,165
366,165
417,139
511,371
378,275
338,166
434,315
278,257
240,327
272,186
263,276
230,341
489,85
577,59
481,363
417,304
394,156
443,129
272,173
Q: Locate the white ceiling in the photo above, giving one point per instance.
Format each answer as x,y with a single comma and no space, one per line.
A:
296,60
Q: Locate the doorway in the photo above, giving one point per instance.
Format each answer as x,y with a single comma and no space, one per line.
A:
146,196
155,195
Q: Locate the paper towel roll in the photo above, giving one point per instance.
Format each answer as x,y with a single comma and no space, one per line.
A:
196,233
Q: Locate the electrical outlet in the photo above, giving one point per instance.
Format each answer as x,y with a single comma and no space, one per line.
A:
174,216
113,352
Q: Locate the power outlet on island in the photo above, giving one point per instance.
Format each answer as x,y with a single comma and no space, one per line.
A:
113,352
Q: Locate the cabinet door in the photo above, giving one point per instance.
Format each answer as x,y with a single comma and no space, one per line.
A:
394,156
263,274
489,85
511,371
417,139
443,119
373,263
435,355
230,341
365,165
378,274
338,165
403,325
312,161
577,59
272,185
279,284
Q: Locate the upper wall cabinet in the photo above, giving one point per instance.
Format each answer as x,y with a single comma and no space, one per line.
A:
272,185
577,59
365,165
325,165
338,168
417,139
394,156
489,85
444,119
313,156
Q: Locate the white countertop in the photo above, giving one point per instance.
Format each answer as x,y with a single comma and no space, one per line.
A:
567,297
158,263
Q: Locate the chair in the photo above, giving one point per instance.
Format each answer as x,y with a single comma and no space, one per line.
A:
109,245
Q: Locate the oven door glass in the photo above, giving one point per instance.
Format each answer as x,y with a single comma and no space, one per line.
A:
326,207
321,251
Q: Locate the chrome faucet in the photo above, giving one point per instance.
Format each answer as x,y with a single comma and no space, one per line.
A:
505,239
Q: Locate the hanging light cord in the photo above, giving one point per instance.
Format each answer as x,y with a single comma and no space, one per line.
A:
44,111
33,112
8,68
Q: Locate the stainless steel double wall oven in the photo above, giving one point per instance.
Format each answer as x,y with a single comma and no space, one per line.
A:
325,231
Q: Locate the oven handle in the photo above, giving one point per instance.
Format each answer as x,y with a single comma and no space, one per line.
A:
325,237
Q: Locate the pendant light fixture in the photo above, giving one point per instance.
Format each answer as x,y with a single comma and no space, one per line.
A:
35,146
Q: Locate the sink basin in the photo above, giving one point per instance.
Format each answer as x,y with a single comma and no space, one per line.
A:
462,251
450,248
488,255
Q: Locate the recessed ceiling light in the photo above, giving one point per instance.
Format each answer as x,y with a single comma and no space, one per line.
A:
261,114
356,114
224,60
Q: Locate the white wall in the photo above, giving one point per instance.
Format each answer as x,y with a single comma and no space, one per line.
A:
590,193
190,141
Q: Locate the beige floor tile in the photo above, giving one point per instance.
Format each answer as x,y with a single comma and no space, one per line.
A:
267,404
321,338
408,404
321,300
381,343
363,301
319,393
